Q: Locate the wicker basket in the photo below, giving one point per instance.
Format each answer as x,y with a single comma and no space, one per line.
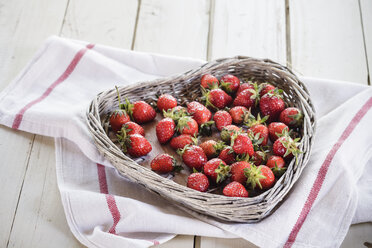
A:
186,87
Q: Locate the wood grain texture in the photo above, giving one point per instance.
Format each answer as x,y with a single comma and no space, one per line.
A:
207,242
366,13
327,40
248,27
110,23
173,27
19,39
358,235
40,220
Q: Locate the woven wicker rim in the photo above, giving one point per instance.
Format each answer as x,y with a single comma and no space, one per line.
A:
186,87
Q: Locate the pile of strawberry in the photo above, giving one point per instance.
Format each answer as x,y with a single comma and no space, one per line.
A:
254,135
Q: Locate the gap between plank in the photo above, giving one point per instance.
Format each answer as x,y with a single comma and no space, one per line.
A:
210,29
20,191
288,34
64,18
364,42
136,24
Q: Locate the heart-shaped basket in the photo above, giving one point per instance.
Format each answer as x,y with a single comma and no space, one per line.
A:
186,88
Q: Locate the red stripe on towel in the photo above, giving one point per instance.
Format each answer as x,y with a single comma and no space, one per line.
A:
323,172
71,67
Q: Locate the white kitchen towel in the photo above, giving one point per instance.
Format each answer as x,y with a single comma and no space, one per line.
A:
103,209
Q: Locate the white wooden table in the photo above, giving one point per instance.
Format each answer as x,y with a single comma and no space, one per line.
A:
328,39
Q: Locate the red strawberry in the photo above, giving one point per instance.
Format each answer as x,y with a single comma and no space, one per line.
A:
235,189
165,130
216,170
228,131
193,156
245,86
118,119
259,157
211,148
181,141
286,147
133,128
291,117
164,163
275,129
136,145
242,144
227,155
238,113
277,165
187,125
230,83
246,98
237,171
266,88
208,81
262,131
222,119
141,111
166,102
269,179
199,112
255,176
217,99
272,104
198,181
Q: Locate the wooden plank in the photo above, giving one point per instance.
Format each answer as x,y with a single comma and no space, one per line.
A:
251,28
358,235
19,40
366,13
40,220
180,241
327,39
173,27
207,242
109,23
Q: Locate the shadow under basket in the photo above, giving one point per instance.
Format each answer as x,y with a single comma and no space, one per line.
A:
186,88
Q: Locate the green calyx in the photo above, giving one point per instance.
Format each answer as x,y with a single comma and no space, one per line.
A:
223,172
250,120
256,139
175,114
219,146
255,93
206,99
183,122
276,92
296,118
291,146
176,167
254,174
123,139
206,128
278,172
128,107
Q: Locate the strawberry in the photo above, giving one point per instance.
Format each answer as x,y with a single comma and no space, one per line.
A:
118,119
227,155
217,99
222,119
199,112
235,189
276,130
246,98
230,83
238,114
237,171
187,125
208,81
242,144
164,163
198,181
181,141
277,165
165,130
228,131
259,157
261,176
266,88
262,131
166,102
291,117
193,156
133,128
140,111
216,170
175,113
245,86
211,148
286,147
135,144
272,104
